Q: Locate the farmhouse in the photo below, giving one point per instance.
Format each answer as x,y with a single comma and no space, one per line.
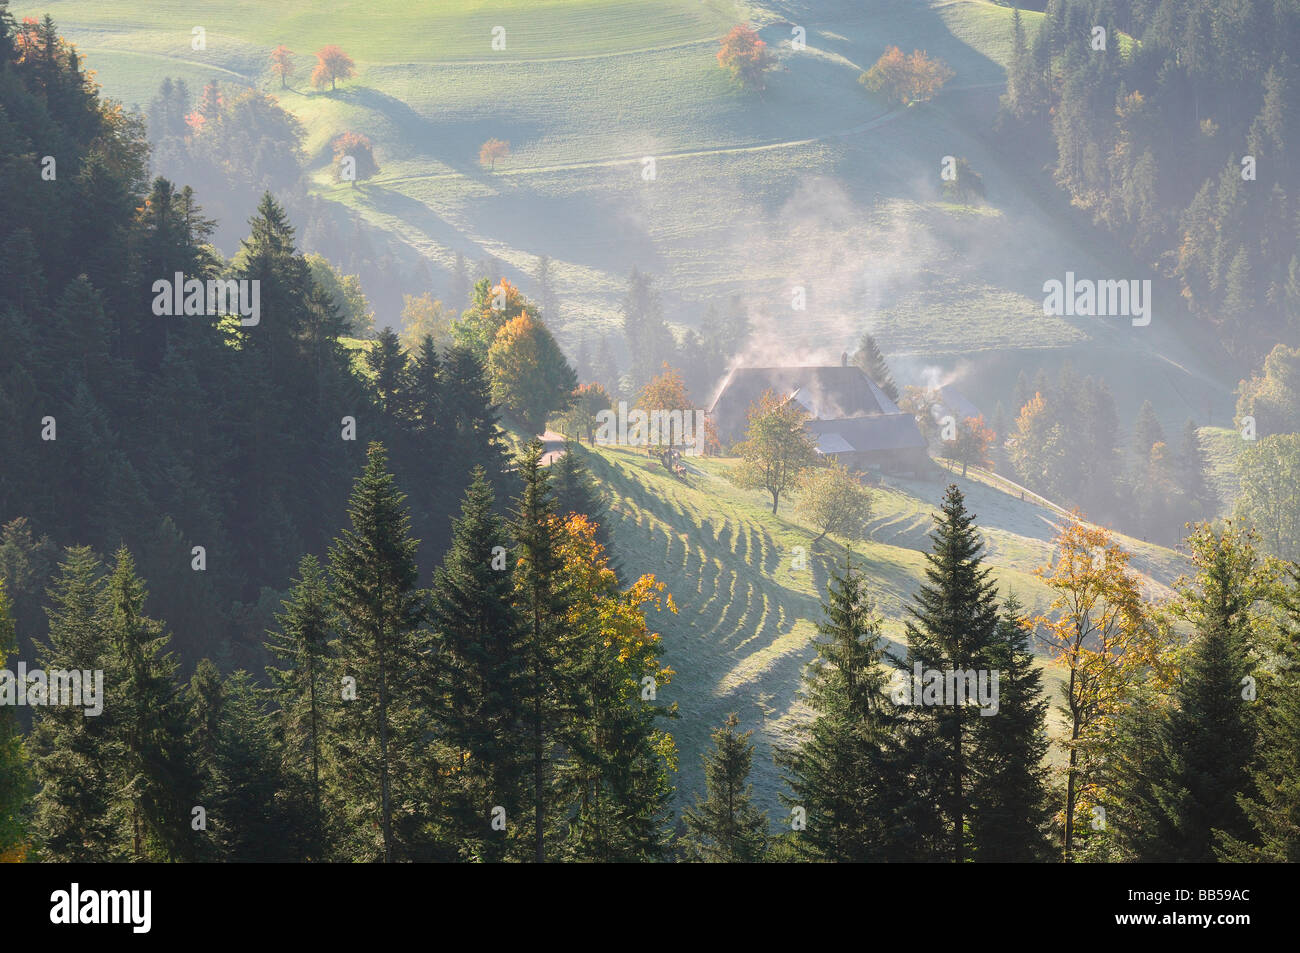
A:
854,421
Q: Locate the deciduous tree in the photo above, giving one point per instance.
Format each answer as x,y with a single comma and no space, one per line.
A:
834,501
745,57
332,65
777,449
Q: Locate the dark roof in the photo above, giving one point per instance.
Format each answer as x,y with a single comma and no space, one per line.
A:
864,434
957,403
825,392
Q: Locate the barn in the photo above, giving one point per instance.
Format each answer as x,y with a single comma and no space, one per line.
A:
854,421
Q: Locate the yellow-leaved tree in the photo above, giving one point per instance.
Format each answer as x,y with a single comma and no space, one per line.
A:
620,758
1099,628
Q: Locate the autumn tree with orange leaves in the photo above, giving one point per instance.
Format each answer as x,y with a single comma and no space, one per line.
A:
529,374
666,396
970,446
746,57
1099,629
332,65
493,149
491,306
906,79
282,64
358,149
596,763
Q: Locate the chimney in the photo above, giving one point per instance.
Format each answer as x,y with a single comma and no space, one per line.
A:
844,358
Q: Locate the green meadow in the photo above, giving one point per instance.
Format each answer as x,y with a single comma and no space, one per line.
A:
749,586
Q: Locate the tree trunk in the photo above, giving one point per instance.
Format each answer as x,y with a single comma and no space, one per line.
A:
958,815
383,744
1069,777
539,816
315,761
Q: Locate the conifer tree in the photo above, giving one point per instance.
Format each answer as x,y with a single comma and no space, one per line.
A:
615,759
72,757
245,820
1273,804
844,774
1009,791
428,390
379,736
1136,826
871,360
203,696
480,654
952,628
1191,472
390,369
543,602
1147,431
13,761
475,439
301,646
576,490
155,788
724,826
1206,745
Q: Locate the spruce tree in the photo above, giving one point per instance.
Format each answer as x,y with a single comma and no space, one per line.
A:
1147,431
952,628
203,696
301,647
1184,770
1207,743
871,360
390,371
73,760
724,826
543,601
1191,472
476,439
155,787
844,774
379,737
1136,826
1273,804
480,655
246,820
576,491
1009,793
13,761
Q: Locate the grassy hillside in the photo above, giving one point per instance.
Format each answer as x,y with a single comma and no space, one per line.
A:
747,615
815,183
